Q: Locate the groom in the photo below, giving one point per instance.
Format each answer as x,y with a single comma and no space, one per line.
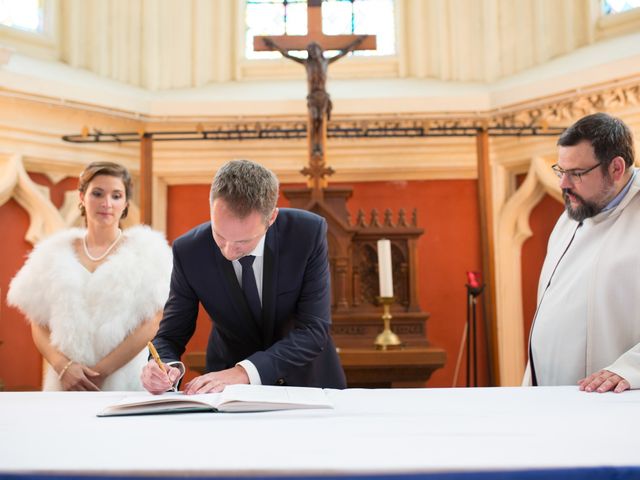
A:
262,275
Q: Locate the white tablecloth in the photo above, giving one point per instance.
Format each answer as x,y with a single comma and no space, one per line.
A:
369,431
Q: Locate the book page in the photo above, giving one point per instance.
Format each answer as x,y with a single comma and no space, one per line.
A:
268,397
234,398
170,402
168,398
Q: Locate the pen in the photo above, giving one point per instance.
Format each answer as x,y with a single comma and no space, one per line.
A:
156,357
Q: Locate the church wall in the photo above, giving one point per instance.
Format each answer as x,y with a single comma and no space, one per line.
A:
132,47
447,210
449,247
20,362
31,129
467,40
456,40
534,249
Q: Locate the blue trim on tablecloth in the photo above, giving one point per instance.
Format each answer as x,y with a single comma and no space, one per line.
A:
598,473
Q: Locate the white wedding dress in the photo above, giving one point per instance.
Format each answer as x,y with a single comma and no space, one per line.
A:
89,314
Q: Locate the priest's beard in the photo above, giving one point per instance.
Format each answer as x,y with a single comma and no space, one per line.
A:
589,208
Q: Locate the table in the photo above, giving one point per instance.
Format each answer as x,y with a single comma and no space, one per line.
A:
371,368
408,433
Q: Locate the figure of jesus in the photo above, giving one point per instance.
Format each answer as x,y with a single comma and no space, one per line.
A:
318,100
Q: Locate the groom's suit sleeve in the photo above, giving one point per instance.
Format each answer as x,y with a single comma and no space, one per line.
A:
180,314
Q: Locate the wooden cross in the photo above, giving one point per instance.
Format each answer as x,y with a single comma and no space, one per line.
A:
318,100
314,28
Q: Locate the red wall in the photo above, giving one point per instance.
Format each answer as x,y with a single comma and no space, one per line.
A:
20,365
541,221
447,210
20,362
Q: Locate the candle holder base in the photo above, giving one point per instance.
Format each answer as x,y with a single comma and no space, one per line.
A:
387,339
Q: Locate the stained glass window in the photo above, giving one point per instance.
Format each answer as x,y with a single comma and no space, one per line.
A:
609,7
22,14
280,17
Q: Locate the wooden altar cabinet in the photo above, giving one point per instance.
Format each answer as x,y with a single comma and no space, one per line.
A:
356,314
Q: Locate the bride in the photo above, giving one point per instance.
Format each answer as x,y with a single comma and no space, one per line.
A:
94,296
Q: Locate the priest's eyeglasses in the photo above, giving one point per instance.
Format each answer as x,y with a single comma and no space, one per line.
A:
574,175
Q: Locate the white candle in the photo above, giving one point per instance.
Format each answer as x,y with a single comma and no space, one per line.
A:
384,268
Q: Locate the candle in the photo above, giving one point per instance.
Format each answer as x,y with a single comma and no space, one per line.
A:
384,268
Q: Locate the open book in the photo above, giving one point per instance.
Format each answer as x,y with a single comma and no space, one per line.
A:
234,398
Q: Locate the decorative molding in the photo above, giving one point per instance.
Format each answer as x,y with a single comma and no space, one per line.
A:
159,204
541,116
512,230
554,111
8,179
540,113
5,54
15,182
377,159
54,177
70,211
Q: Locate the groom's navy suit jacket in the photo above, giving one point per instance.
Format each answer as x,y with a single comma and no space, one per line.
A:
291,345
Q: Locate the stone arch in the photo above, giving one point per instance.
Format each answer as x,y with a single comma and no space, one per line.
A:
513,230
44,218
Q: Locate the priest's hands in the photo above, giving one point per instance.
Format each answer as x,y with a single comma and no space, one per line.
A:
155,381
216,381
604,381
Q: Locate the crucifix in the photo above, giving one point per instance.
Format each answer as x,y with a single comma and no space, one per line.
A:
318,100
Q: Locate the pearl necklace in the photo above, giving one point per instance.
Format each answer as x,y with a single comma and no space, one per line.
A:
106,252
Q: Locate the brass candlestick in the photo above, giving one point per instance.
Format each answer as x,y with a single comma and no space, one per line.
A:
387,338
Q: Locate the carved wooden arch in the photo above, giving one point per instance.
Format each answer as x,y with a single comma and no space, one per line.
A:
44,218
513,230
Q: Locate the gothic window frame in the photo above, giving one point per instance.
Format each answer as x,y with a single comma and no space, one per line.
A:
603,2
617,24
389,66
43,44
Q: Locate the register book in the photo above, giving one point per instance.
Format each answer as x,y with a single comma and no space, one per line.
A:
234,398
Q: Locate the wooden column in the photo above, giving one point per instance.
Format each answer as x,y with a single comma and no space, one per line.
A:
485,196
146,176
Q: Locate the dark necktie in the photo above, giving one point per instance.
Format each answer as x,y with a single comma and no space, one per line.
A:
250,288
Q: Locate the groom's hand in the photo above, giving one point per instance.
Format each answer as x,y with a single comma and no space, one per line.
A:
216,381
155,381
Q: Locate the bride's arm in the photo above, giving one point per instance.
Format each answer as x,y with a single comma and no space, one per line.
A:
72,375
131,346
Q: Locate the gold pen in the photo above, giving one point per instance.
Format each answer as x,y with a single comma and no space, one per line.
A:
156,357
